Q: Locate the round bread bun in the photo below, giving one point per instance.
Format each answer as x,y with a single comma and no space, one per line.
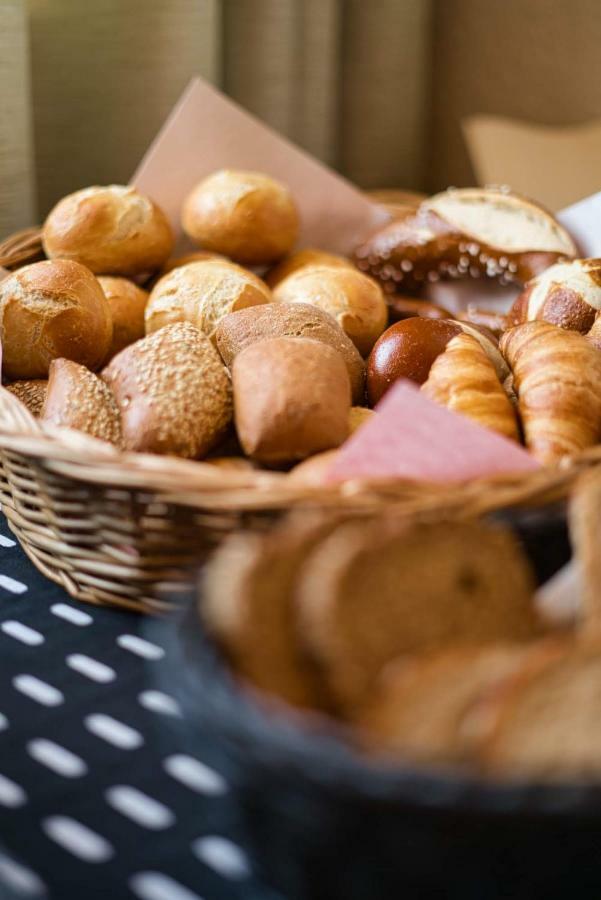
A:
353,299
112,230
173,391
307,257
238,330
247,216
202,293
52,309
127,303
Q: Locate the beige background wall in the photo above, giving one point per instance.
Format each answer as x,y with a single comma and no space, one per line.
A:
377,89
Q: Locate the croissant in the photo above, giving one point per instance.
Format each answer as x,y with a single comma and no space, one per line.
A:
557,378
464,380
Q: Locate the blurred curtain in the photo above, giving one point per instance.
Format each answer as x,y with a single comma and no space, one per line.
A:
87,83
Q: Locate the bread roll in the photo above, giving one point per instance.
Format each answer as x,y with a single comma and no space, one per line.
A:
76,398
50,310
567,294
353,299
358,416
291,399
127,303
371,593
247,216
112,230
202,293
173,391
313,471
31,393
236,331
307,257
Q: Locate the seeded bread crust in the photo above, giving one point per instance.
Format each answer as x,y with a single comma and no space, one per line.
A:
173,391
77,398
31,392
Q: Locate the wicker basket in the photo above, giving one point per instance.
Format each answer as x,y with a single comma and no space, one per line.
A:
129,529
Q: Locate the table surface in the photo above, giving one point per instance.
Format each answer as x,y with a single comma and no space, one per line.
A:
96,790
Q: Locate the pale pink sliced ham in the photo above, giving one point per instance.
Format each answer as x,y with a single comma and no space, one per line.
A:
411,437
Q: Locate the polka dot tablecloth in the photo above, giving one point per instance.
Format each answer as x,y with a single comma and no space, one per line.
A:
97,797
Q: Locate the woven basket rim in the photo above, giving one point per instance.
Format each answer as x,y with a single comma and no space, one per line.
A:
199,484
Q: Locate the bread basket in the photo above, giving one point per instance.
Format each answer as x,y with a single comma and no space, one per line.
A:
128,529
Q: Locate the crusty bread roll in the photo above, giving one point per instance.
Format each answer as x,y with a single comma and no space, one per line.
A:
567,294
358,416
291,399
202,293
173,391
112,230
353,299
309,256
463,233
50,310
247,216
370,593
77,398
31,392
236,331
127,303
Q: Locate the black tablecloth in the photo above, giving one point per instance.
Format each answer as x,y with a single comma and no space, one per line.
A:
97,797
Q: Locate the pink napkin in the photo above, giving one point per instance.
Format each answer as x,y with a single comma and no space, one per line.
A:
414,438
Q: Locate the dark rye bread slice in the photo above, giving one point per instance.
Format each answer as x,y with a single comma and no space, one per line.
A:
246,326
248,604
544,721
370,593
419,703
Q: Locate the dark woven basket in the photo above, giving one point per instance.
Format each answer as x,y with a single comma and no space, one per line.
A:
325,823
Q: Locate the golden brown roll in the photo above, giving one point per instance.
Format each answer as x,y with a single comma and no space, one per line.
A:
76,398
247,216
291,399
310,256
113,230
353,299
358,416
127,303
49,310
237,330
202,293
173,391
31,392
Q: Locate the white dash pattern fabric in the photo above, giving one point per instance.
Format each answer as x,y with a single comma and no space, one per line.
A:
98,798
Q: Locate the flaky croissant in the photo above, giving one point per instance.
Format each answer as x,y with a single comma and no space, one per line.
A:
464,380
557,377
